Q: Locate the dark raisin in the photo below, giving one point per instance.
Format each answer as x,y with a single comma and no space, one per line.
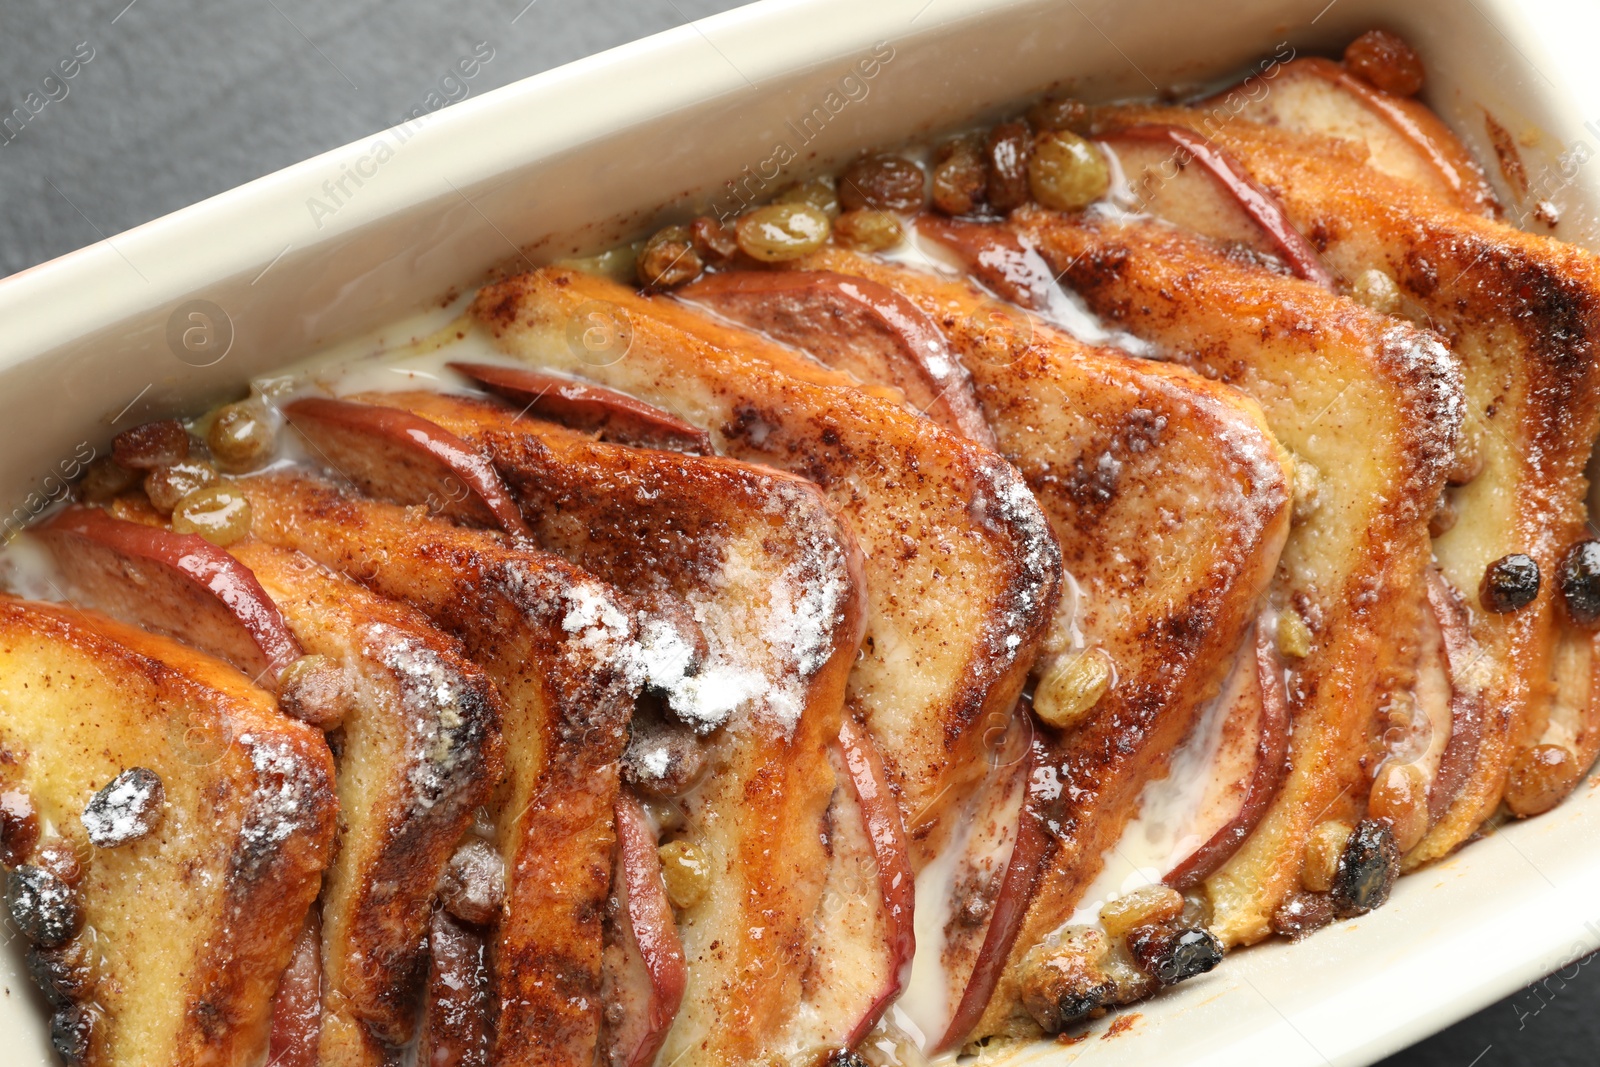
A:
1580,584
19,827
72,1033
669,259
46,909
1067,984
1509,583
61,860
959,176
883,182
475,883
664,758
844,1057
1386,61
64,974
1302,915
716,242
1172,954
128,809
1367,869
1060,113
104,479
155,444
1007,151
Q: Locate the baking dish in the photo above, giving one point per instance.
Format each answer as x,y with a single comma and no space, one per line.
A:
184,310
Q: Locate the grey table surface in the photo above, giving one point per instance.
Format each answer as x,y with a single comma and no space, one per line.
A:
186,98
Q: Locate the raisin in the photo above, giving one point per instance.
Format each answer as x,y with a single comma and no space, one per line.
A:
128,809
883,182
1303,914
1172,954
1580,584
783,231
474,883
45,908
1509,583
1060,113
669,259
65,974
242,436
104,479
959,176
155,444
72,1034
19,827
1007,150
1540,776
167,486
844,1057
1386,61
664,758
716,242
1367,869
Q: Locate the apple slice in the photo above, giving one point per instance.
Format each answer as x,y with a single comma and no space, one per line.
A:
857,326
1407,140
297,1006
176,584
366,444
1031,853
608,413
649,935
895,878
870,971
456,1024
1255,747
1161,153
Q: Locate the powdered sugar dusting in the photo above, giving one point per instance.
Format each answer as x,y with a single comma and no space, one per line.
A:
438,703
286,788
1005,502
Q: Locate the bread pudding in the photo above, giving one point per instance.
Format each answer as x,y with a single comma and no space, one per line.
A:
964,596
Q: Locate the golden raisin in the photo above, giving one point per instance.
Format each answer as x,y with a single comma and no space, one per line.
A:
1377,291
782,231
1323,849
687,873
105,478
958,176
1400,798
1060,113
869,230
1006,154
165,486
241,436
312,690
1294,636
155,444
218,513
1152,904
1071,687
1386,61
882,181
1067,173
1541,775
668,259
818,192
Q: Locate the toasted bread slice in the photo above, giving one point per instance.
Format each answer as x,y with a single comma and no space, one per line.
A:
774,579
419,744
1371,408
561,648
962,569
420,750
1405,139
1119,453
1522,314
185,930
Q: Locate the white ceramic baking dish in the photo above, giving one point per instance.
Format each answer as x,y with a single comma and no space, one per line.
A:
171,315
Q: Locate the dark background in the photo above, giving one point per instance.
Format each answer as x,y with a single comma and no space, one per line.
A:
184,98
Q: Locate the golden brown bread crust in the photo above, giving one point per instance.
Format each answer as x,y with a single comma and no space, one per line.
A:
247,826
962,570
720,535
561,649
1522,313
420,749
1371,407
1116,450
